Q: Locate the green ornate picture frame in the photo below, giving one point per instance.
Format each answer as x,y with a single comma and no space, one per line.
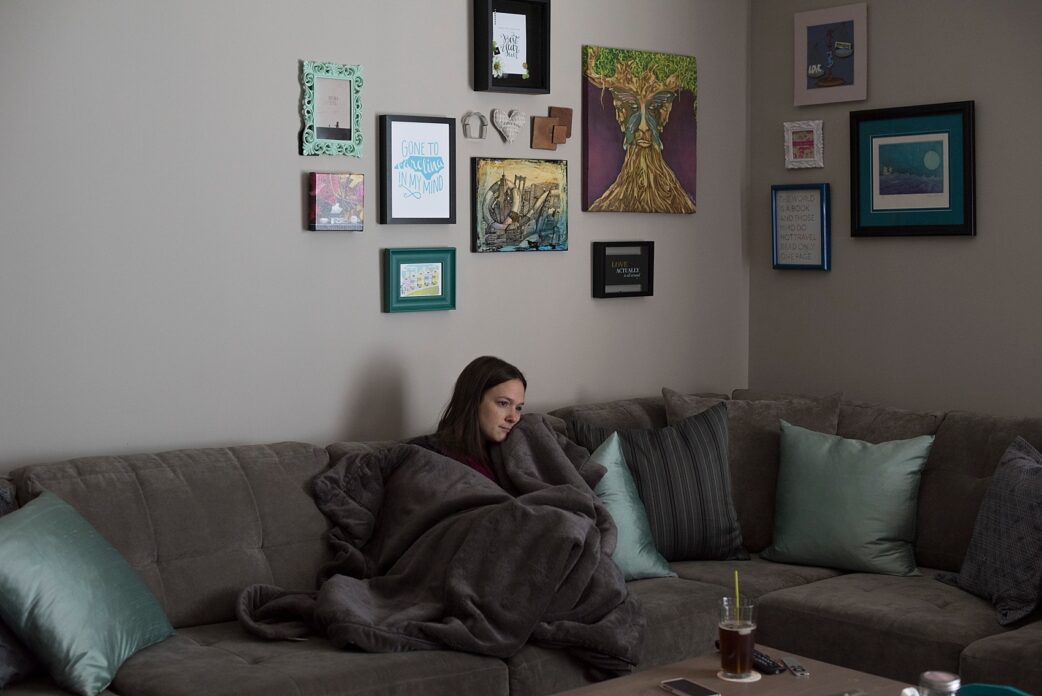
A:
332,109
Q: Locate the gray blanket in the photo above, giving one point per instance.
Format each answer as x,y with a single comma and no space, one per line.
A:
432,555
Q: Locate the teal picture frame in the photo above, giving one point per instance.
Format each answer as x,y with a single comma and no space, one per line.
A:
419,279
331,107
912,171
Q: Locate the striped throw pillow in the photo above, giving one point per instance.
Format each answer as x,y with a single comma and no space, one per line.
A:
682,476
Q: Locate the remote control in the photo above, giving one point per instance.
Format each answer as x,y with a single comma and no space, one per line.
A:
794,666
764,663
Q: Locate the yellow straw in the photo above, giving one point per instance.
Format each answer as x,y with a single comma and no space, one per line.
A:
738,616
736,588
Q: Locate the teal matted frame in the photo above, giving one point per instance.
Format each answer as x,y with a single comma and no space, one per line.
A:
419,279
331,106
912,171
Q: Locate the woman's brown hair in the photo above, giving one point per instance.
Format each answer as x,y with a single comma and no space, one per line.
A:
458,429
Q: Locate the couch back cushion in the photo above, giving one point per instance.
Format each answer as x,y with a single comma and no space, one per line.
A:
964,456
754,444
876,423
640,413
199,525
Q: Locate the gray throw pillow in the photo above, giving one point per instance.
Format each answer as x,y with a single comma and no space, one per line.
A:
683,480
16,662
754,436
1003,562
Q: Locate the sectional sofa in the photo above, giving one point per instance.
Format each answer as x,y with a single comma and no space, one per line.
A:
198,525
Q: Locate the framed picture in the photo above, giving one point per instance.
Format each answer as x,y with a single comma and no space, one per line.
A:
519,204
337,201
912,171
417,170
623,269
332,109
512,46
800,228
638,131
804,145
419,280
831,55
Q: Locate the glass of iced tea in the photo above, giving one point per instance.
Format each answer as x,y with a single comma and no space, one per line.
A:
737,637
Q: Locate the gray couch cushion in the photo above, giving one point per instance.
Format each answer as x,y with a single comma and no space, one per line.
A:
199,525
963,458
754,437
1008,658
877,423
682,474
1004,561
758,577
222,659
887,625
624,414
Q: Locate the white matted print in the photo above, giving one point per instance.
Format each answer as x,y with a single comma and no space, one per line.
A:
509,44
418,169
830,55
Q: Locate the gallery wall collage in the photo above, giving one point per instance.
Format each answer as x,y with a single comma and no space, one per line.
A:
637,126
911,167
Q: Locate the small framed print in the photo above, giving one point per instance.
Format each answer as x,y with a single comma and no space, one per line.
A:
512,46
912,171
800,226
337,201
417,170
831,55
623,269
419,280
331,108
804,146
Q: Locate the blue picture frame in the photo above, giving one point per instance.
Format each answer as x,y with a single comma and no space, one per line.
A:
912,171
800,227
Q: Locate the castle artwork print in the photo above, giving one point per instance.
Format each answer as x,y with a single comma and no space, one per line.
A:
520,204
639,129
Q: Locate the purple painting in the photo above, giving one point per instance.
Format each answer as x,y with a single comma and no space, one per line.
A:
639,131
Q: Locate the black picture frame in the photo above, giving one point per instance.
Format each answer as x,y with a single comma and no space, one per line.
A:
623,269
417,170
801,237
487,78
912,171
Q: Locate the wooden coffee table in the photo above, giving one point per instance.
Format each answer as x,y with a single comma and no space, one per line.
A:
824,680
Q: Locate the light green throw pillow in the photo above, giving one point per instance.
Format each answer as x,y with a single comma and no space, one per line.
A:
71,597
635,552
847,504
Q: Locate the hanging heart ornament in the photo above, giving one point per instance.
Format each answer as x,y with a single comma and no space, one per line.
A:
508,124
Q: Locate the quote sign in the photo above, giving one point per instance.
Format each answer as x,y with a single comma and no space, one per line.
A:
799,227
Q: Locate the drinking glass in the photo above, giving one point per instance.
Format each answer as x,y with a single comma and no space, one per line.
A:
737,637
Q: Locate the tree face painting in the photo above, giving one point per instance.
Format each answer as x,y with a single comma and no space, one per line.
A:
653,165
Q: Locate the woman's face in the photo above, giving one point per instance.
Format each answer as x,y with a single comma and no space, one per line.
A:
500,409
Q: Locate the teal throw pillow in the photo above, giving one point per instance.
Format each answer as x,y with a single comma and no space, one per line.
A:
847,504
635,551
71,597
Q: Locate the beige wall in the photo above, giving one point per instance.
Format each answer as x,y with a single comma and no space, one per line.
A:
915,322
157,289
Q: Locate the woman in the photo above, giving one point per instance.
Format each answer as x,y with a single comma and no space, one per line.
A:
485,406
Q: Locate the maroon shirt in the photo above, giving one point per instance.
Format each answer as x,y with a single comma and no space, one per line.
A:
432,443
